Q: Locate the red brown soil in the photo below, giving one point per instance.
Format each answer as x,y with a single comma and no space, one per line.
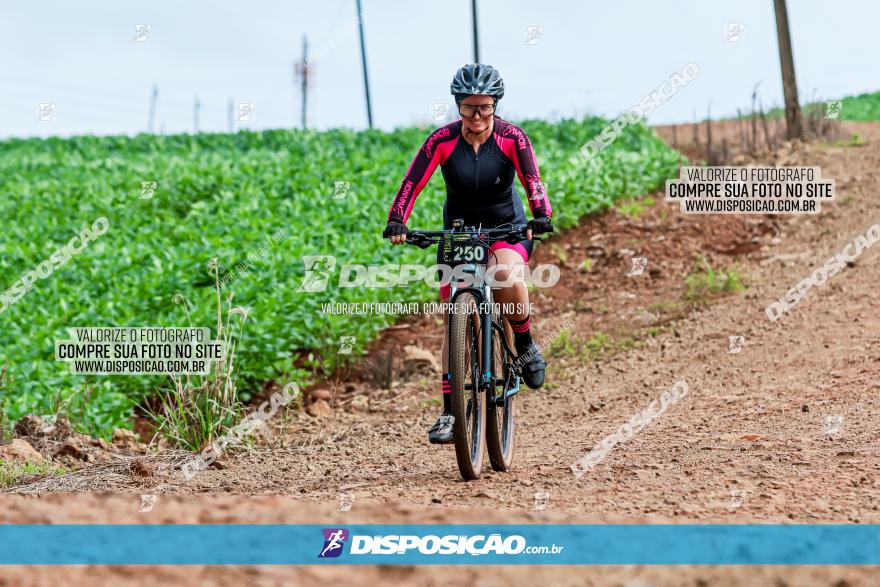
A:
754,421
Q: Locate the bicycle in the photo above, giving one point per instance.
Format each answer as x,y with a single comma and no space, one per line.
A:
485,375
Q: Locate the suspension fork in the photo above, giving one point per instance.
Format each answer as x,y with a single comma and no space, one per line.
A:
486,323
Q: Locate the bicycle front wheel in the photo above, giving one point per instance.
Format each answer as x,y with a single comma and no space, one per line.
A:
468,405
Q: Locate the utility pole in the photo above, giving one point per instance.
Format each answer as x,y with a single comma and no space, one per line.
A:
793,127
151,118
196,107
230,114
360,18
303,72
476,35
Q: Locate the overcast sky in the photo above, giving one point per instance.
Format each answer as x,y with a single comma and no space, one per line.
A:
594,57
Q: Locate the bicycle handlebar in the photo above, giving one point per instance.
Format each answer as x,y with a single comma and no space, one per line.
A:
425,238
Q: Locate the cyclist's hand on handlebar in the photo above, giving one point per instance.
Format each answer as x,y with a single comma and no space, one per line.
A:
396,231
539,226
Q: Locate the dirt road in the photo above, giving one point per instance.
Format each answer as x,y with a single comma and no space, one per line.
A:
786,429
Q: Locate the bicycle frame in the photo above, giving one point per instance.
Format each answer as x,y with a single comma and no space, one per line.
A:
483,294
473,410
484,298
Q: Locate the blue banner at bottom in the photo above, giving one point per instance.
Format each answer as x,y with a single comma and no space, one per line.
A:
542,544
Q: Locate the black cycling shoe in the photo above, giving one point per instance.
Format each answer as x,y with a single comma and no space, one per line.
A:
533,368
441,431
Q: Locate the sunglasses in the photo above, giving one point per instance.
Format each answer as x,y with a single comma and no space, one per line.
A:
470,110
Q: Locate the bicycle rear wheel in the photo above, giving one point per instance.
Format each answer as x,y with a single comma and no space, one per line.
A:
500,413
468,405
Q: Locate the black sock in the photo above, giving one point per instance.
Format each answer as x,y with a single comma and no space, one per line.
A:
447,394
522,333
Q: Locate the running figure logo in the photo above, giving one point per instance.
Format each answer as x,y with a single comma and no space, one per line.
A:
341,189
639,264
735,344
440,111
318,269
346,344
832,108
46,111
735,31
334,540
148,188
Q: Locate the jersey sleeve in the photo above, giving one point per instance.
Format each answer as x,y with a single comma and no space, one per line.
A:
432,153
530,178
529,175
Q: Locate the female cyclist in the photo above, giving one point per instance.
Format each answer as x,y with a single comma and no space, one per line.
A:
479,156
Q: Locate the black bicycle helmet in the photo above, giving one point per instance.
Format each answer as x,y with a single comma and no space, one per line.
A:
476,79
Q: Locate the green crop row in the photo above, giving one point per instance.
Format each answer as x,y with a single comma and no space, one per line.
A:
864,107
227,196
861,107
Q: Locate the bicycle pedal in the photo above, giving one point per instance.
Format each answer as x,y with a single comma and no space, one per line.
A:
515,389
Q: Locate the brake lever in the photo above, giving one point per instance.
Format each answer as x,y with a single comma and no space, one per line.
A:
420,241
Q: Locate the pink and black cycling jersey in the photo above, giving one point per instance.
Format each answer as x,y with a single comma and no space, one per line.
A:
479,186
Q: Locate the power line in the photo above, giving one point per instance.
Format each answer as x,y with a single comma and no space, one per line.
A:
303,72
360,18
151,120
196,107
476,37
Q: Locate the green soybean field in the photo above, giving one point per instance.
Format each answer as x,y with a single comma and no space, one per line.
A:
257,203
